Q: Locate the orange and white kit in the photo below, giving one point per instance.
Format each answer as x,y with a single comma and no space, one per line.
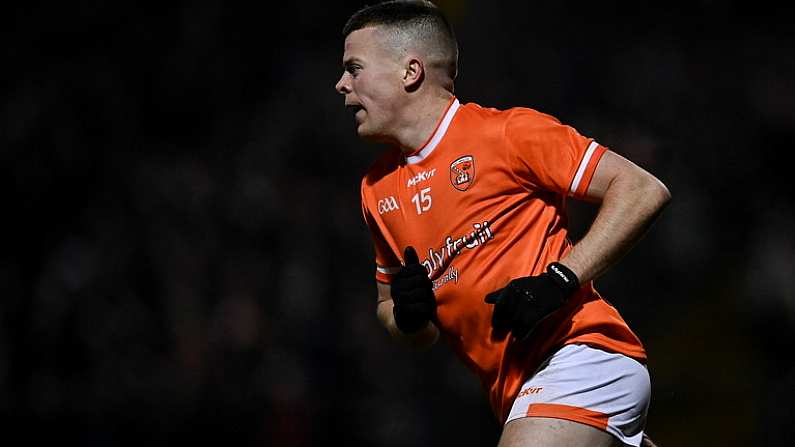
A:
483,202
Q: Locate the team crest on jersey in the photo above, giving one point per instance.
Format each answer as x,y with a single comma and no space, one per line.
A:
462,172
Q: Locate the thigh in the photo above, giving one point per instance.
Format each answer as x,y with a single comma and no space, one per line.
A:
605,391
549,432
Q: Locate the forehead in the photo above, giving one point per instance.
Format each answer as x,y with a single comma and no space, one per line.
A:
365,43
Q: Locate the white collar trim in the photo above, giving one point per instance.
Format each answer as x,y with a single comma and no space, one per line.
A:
437,136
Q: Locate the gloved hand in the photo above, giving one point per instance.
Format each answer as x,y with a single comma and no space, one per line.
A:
412,294
524,302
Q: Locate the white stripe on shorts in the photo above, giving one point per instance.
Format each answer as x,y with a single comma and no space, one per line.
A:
587,385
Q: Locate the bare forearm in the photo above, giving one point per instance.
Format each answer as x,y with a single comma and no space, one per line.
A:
422,339
629,207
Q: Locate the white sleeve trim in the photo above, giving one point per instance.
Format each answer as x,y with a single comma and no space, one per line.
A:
387,270
583,164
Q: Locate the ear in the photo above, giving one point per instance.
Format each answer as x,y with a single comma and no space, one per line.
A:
414,74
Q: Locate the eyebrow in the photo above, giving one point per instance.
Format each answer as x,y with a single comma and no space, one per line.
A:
350,61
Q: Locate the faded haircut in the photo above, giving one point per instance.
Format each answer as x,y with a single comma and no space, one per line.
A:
413,22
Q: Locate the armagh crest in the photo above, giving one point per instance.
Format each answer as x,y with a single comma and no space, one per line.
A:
462,172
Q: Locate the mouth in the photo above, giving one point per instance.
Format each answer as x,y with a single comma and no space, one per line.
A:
354,108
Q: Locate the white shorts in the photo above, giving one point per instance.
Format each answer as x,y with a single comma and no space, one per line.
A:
586,385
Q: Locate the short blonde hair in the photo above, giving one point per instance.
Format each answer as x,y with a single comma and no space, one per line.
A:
416,23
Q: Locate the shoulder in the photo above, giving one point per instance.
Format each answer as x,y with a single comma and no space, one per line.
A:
525,118
505,120
386,163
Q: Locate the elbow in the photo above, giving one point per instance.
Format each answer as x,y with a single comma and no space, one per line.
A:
663,193
650,189
657,193
646,191
423,339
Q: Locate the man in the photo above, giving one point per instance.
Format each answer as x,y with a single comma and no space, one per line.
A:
467,214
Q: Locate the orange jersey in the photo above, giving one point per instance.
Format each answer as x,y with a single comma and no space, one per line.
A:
483,202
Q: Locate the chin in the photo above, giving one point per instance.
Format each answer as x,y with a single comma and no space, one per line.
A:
366,134
374,138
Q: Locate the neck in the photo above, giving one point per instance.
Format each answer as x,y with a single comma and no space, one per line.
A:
419,121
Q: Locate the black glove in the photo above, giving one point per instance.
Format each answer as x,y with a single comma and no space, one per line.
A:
412,293
524,302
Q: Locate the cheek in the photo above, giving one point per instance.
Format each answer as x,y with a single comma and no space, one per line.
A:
377,88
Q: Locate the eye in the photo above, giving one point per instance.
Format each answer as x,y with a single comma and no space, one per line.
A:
353,69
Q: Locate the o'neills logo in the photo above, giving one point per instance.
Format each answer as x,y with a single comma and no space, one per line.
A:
462,172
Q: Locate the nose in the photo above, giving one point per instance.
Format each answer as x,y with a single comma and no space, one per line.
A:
343,86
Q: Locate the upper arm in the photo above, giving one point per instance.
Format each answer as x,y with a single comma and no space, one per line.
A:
386,263
545,154
613,167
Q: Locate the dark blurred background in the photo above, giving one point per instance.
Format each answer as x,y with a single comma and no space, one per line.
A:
184,259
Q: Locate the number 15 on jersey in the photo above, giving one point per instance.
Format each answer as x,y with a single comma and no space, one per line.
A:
422,200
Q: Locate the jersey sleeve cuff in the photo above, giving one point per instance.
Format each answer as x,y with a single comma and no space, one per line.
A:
586,169
385,274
